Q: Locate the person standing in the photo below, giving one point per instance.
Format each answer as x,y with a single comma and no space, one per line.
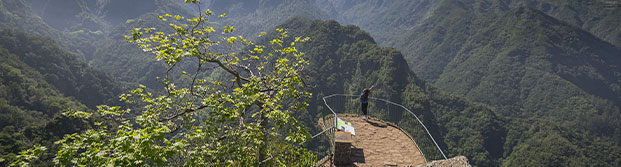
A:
364,101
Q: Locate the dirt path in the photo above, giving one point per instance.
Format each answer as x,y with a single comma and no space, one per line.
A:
379,144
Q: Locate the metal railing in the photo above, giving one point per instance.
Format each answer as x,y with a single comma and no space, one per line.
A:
387,111
406,120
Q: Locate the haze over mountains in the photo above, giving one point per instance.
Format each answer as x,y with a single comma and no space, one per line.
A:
506,83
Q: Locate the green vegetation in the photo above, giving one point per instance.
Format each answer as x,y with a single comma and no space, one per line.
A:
123,60
261,15
546,71
395,23
17,15
344,59
541,61
386,21
32,96
60,68
243,120
528,65
89,28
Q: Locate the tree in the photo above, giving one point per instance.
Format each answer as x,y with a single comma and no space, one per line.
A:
242,119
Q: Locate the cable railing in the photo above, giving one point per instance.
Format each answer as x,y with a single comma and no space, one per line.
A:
384,110
406,120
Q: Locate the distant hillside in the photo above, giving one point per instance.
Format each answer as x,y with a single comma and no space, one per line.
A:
64,71
27,97
253,17
432,43
91,29
387,20
128,63
516,44
345,59
69,15
528,58
547,71
75,15
16,14
409,25
527,64
39,80
599,17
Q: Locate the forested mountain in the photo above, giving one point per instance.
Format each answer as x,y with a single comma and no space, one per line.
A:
38,81
61,69
16,14
253,17
527,58
421,27
600,17
386,21
529,64
127,63
122,59
91,29
346,59
91,16
95,29
506,83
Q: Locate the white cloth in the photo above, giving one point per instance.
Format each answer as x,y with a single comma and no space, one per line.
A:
345,126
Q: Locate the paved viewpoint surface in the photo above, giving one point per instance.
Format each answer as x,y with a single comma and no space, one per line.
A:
379,144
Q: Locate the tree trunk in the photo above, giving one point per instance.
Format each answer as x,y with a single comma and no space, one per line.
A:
263,149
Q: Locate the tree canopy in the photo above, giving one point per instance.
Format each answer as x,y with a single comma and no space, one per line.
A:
244,119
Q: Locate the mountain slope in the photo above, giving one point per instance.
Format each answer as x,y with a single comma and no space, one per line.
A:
37,82
545,143
344,59
61,69
69,15
253,17
528,64
515,58
602,18
122,59
75,15
434,31
91,29
384,20
529,69
128,63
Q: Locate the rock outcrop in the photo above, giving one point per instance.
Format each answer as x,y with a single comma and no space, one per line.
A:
458,161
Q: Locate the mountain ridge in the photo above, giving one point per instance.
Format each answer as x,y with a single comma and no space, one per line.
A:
460,126
549,83
581,68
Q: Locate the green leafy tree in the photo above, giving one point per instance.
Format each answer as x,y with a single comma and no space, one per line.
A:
245,118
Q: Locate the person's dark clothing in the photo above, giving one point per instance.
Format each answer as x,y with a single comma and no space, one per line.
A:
364,102
364,108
